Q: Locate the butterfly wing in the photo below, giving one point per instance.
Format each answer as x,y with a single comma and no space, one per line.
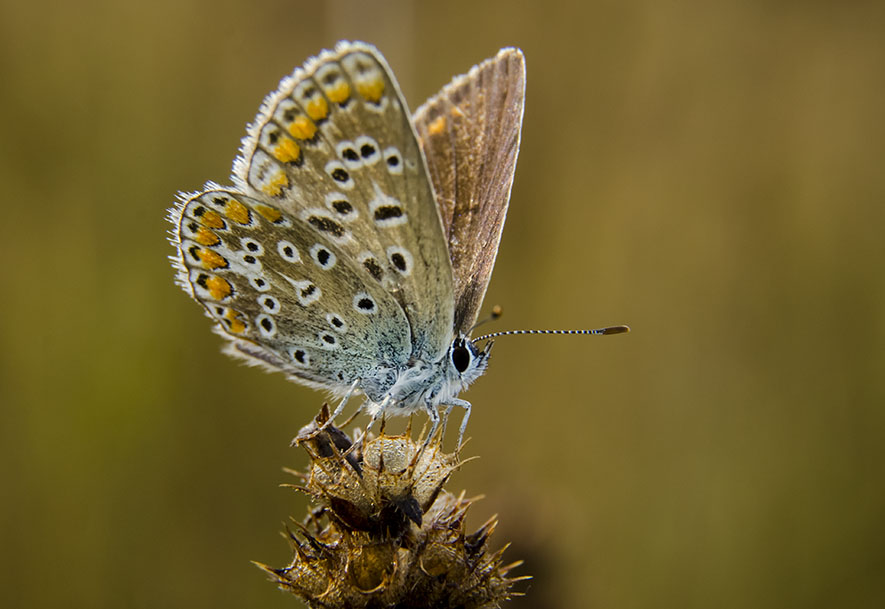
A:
285,296
328,260
470,134
334,147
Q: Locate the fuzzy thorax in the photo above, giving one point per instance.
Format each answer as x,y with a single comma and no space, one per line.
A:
421,385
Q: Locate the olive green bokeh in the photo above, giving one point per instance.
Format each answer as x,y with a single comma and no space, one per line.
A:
708,172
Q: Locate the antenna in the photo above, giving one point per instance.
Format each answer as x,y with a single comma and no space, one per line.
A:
497,312
608,330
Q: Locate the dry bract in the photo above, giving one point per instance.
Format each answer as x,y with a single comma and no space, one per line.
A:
384,532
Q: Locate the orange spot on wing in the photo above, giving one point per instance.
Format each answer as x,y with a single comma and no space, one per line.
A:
437,126
218,288
372,89
317,108
269,213
287,151
276,185
211,219
236,211
204,236
338,93
211,260
236,324
302,128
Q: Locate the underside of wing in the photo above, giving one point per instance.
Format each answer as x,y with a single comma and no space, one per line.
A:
470,133
335,147
285,296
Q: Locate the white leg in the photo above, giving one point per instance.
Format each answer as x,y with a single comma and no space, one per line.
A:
466,406
375,417
433,413
445,421
343,402
339,408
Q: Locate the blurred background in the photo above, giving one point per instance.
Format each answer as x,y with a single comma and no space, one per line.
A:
709,172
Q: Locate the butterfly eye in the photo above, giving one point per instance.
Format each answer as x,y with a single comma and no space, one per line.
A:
460,356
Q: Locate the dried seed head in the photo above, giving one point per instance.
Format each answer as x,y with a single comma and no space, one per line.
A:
385,533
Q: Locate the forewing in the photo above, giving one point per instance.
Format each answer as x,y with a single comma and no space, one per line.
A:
334,147
285,294
470,134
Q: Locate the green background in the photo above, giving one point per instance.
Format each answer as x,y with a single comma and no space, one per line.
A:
709,172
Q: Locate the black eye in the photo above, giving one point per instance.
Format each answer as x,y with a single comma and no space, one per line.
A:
460,357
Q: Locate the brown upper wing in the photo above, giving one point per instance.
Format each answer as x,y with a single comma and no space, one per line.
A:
470,134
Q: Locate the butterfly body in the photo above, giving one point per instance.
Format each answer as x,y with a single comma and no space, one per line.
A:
356,247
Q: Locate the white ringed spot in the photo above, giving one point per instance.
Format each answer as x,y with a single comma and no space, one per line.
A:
267,327
322,257
327,341
300,357
306,291
339,173
259,283
321,220
269,304
365,304
341,206
394,160
387,211
400,259
347,151
249,260
288,251
368,150
338,324
252,246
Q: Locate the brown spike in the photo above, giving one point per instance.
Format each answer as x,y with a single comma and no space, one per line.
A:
393,528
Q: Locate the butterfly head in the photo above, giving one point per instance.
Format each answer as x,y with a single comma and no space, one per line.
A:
467,362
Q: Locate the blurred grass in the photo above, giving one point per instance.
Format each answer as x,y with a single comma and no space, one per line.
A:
710,173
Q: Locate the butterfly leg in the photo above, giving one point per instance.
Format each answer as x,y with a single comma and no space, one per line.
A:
433,413
338,410
445,420
466,406
341,404
358,442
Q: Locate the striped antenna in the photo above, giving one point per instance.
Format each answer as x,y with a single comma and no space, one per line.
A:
608,330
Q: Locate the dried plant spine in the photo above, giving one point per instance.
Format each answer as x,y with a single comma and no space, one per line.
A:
384,532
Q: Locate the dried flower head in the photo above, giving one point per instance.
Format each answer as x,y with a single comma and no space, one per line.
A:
384,533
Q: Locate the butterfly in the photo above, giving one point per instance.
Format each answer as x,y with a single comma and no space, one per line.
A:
356,246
